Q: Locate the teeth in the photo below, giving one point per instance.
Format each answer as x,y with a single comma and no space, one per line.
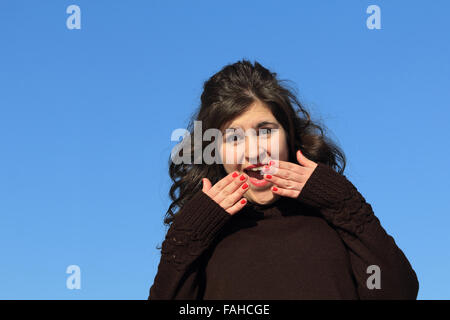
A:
256,168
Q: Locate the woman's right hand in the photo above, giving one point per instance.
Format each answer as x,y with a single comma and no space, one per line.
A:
228,192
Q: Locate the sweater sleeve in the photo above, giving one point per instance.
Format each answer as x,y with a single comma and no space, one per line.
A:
191,233
368,244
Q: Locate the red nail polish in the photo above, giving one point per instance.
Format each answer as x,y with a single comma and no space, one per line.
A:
242,177
268,176
245,186
235,174
243,201
271,163
275,189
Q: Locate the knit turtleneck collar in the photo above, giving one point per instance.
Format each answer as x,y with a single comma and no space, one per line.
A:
279,206
263,207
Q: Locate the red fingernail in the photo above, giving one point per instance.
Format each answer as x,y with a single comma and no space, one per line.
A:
275,189
245,186
243,201
268,176
235,174
242,177
271,163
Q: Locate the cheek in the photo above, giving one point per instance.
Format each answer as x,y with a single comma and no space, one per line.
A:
283,144
232,155
280,148
223,160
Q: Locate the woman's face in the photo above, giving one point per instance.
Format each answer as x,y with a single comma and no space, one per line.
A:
243,147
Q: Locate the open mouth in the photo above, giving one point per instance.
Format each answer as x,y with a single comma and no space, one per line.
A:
255,173
256,176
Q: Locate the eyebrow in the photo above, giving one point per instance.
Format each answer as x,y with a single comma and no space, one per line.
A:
260,124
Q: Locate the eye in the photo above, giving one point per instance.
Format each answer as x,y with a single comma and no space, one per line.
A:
233,138
266,131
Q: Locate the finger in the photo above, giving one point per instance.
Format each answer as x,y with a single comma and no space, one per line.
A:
283,183
228,191
231,200
286,165
237,206
206,185
304,161
286,174
285,192
222,183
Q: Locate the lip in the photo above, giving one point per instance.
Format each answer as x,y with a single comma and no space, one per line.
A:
258,183
254,166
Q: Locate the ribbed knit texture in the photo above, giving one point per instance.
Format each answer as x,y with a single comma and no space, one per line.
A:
201,218
194,227
318,246
340,202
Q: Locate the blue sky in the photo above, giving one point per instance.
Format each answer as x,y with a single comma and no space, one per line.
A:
86,117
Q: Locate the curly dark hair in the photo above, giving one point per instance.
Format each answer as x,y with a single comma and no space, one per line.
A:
226,95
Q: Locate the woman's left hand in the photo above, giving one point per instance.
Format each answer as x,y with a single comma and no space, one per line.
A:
289,178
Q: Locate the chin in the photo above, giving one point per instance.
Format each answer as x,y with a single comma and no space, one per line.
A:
264,197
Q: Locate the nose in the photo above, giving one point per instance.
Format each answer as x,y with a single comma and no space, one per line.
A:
254,151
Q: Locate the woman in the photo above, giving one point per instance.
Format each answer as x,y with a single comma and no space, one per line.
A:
273,219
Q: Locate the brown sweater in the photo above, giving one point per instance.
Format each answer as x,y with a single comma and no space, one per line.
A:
318,246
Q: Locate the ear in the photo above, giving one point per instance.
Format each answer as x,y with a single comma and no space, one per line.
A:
206,185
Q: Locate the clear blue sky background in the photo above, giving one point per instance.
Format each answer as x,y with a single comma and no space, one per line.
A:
86,117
